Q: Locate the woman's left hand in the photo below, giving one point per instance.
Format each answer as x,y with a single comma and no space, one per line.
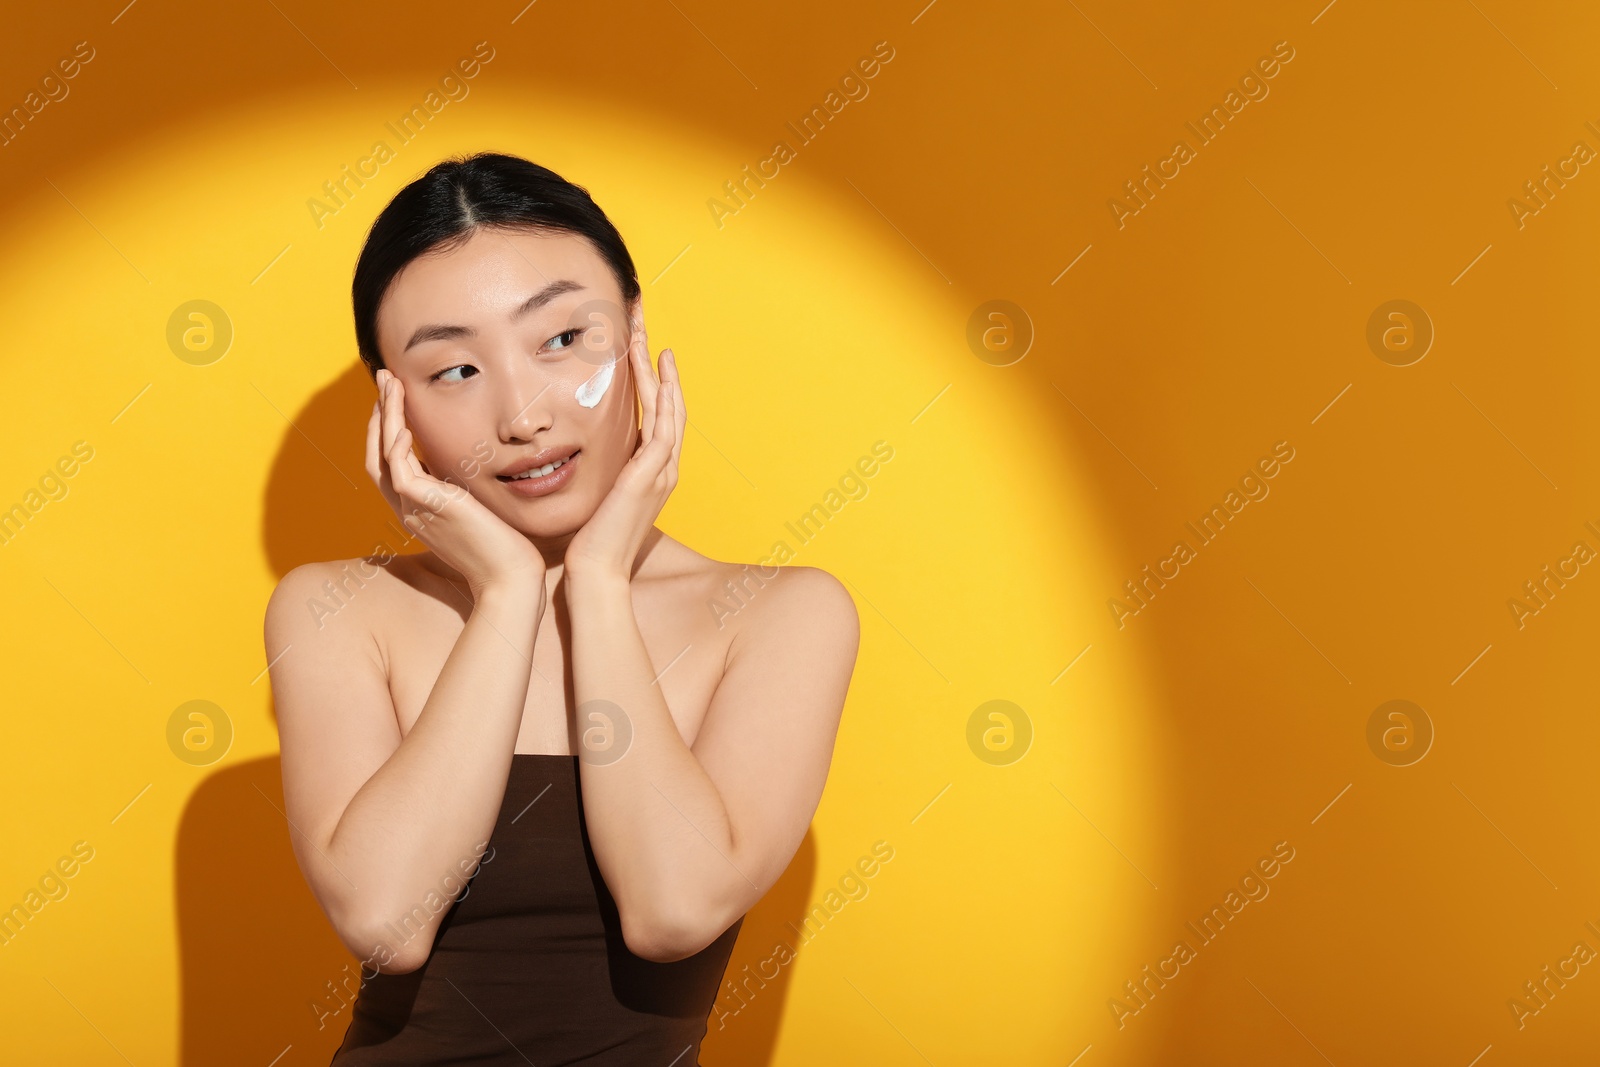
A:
611,539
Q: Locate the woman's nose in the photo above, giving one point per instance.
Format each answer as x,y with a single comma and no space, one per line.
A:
524,402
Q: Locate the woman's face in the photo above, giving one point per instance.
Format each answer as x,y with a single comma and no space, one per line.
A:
513,349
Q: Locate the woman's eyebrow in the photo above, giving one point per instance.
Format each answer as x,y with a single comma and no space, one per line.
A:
442,332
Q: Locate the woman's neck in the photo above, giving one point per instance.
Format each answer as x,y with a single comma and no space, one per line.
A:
554,552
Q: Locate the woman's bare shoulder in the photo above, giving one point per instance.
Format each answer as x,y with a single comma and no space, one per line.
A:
745,596
812,592
362,588
786,598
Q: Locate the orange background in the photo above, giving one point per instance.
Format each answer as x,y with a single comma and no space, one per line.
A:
1168,755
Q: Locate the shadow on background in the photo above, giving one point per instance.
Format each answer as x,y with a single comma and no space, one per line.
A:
321,504
255,951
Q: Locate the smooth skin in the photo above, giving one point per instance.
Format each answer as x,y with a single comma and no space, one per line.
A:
400,709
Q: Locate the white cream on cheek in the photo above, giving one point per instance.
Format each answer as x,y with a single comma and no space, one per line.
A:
590,392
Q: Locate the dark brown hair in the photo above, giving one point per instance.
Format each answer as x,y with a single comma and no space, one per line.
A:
457,197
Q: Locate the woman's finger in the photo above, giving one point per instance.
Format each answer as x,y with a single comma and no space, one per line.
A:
373,470
400,473
645,382
669,362
377,461
384,440
648,460
660,446
412,461
394,418
677,431
408,456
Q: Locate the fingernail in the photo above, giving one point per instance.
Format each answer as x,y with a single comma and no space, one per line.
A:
668,353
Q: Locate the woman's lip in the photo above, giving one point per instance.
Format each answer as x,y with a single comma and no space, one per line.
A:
545,485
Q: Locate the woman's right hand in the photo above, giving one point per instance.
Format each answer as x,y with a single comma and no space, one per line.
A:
456,525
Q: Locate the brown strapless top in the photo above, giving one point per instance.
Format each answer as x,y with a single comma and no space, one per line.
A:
530,965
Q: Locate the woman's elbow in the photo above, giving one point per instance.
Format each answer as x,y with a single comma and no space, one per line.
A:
666,937
398,963
373,942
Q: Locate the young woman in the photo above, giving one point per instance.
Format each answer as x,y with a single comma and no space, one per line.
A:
537,774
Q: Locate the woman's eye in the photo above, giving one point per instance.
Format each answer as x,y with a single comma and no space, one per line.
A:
451,370
572,333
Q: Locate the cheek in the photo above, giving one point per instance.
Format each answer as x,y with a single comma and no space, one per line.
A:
606,397
600,383
612,419
442,448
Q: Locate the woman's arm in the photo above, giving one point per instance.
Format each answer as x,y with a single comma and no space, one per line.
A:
689,839
387,831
